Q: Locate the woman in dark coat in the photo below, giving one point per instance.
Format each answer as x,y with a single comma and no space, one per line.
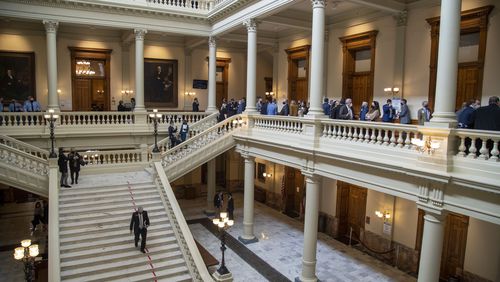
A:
62,162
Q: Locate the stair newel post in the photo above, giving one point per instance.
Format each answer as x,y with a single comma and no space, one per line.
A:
54,261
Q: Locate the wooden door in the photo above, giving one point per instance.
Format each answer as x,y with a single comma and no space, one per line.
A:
222,79
455,241
99,97
298,73
81,94
361,90
294,185
351,208
467,83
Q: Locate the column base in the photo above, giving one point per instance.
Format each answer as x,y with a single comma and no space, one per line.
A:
248,241
298,279
209,212
211,110
139,109
222,277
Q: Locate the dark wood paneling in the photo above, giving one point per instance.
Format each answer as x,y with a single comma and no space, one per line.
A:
298,86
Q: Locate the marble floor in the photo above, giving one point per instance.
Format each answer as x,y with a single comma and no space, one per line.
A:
281,245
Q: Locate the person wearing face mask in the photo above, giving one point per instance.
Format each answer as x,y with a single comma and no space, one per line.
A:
285,111
31,105
345,111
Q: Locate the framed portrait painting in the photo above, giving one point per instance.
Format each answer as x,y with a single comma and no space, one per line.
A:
17,75
160,83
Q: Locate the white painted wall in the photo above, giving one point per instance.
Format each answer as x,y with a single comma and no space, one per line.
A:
482,254
405,222
376,201
328,200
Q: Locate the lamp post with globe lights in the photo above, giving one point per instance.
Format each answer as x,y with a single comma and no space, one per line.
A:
27,253
155,116
51,117
223,223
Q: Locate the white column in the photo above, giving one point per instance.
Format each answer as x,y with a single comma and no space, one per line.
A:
310,228
317,59
188,81
210,187
447,68
248,202
399,56
432,247
54,261
325,69
276,62
212,84
251,26
126,72
139,69
51,33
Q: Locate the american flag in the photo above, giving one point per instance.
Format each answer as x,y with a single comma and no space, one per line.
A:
283,193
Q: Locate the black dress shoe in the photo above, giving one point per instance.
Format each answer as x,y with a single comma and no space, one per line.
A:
67,186
143,251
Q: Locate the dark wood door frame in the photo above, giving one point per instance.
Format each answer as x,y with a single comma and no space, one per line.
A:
295,54
345,194
475,20
352,44
91,54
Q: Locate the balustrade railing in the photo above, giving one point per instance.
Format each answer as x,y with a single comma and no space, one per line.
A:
278,123
95,118
201,140
96,158
22,119
200,5
478,144
177,118
199,124
393,135
25,147
25,161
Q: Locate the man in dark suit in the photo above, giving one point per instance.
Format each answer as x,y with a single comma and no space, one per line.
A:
487,117
140,223
230,206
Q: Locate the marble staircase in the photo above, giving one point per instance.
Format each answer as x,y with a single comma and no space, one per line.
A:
95,241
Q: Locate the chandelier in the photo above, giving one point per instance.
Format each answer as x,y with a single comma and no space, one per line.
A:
83,68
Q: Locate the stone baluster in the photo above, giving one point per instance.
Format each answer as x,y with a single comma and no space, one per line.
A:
393,138
355,134
484,150
494,151
349,133
386,137
461,148
472,149
379,136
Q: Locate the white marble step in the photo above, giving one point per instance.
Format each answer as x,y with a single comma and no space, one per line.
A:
104,235
126,255
111,207
161,276
98,226
129,273
160,259
164,243
77,191
108,201
128,239
66,220
102,196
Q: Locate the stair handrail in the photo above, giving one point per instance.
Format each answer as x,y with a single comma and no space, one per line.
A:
23,146
42,165
194,144
190,251
194,129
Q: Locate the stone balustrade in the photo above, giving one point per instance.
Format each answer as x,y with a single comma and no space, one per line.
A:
24,161
478,144
22,120
196,5
98,158
387,134
25,147
278,123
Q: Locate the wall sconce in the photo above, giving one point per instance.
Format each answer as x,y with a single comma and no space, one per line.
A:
426,145
127,92
59,91
100,92
267,175
392,90
190,93
269,93
386,215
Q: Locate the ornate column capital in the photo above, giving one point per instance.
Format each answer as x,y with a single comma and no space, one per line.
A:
140,33
318,3
212,42
250,24
402,18
50,25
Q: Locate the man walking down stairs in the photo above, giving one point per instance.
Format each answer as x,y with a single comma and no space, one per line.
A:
95,244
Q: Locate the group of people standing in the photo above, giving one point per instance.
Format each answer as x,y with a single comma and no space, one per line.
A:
183,133
219,203
74,161
232,108
270,107
473,116
29,105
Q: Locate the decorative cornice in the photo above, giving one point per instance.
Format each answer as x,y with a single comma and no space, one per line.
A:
212,43
50,25
250,24
318,3
402,18
140,33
